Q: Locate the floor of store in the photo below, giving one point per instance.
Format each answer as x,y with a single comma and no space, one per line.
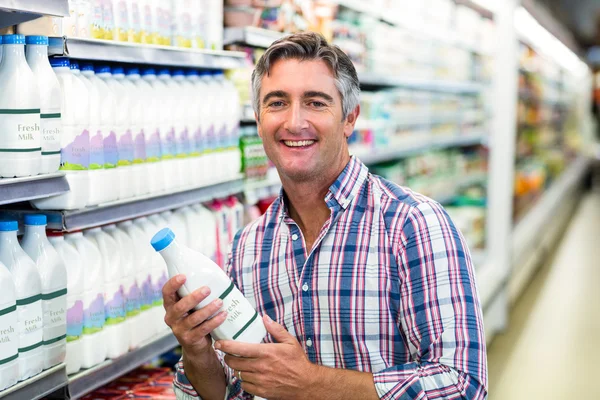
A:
550,350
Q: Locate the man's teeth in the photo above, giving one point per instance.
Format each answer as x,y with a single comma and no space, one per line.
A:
300,143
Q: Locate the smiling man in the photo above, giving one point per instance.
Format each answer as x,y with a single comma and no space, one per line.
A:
366,288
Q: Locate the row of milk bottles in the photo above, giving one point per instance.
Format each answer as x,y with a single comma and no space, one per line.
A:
150,131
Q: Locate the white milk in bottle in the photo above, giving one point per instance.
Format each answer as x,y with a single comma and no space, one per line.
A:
213,113
115,329
134,17
176,221
93,341
243,322
194,121
9,330
151,105
20,137
210,231
50,124
74,266
53,275
28,289
178,124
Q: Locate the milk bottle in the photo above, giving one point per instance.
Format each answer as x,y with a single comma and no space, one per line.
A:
204,117
151,105
214,111
243,322
134,18
28,289
9,330
53,275
210,231
20,138
74,266
194,124
50,122
178,125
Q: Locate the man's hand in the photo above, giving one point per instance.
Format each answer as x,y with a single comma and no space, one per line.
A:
274,371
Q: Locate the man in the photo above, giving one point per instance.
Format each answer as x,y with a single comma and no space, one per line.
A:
366,288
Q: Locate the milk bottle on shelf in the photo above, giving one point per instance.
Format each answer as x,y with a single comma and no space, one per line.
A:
108,20
97,19
243,322
233,115
213,110
93,339
183,107
9,331
121,20
203,110
75,140
152,105
50,122
210,231
74,267
53,275
176,222
20,137
194,125
134,34
28,289
116,333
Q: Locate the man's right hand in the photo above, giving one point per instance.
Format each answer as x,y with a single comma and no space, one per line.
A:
192,329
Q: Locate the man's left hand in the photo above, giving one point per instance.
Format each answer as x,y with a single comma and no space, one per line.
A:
274,370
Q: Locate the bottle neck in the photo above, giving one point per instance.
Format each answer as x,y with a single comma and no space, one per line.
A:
37,54
35,231
8,238
13,55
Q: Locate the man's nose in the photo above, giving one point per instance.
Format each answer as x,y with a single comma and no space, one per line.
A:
296,121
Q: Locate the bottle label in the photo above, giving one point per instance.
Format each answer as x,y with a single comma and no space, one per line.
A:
31,323
54,306
121,13
93,316
126,148
75,156
153,147
197,143
133,301
157,299
211,140
168,145
139,148
51,125
96,151
20,131
147,293
108,20
183,143
114,306
74,320
222,139
234,137
240,314
111,151
9,337
97,20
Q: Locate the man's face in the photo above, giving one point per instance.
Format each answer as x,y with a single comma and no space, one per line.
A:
301,120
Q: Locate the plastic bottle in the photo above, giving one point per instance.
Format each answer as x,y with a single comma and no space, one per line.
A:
1,47
222,218
121,20
116,333
214,24
123,138
108,20
243,322
9,330
178,84
212,112
53,276
210,231
75,140
183,23
232,106
176,221
194,124
50,123
28,289
75,283
84,18
97,19
134,34
93,339
204,122
20,138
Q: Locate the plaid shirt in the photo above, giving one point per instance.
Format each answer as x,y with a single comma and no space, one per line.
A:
388,288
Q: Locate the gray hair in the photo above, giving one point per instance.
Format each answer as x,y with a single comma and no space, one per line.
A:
308,46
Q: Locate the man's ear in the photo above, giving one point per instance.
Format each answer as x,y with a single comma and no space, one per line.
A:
351,121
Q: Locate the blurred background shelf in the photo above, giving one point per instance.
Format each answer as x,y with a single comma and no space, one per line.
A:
14,12
39,386
15,190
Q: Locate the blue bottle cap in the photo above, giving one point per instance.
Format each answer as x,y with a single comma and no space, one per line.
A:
55,41
132,71
0,39
118,70
36,39
162,239
148,71
60,62
191,72
87,66
178,72
9,226
74,64
13,39
164,71
101,69
36,219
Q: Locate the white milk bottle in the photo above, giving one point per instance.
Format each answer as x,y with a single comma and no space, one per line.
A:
74,266
93,341
28,289
20,138
131,291
176,222
205,118
214,122
9,330
194,122
121,25
152,105
53,275
174,83
141,176
222,219
166,115
134,18
50,123
193,227
210,231
243,322
232,119
142,264
108,20
75,140
116,334
124,141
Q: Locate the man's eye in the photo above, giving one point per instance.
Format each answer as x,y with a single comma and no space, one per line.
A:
276,104
317,104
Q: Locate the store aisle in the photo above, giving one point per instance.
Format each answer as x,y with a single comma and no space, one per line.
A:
551,349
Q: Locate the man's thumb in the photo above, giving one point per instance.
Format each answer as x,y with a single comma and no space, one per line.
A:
277,331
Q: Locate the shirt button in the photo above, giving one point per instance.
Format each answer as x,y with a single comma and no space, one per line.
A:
309,343
294,237
305,287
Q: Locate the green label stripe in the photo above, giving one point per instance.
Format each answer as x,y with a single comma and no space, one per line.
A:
21,111
227,291
114,321
245,326
46,116
133,313
9,359
72,338
8,310
20,150
54,295
50,153
56,339
157,303
29,300
89,331
145,307
32,347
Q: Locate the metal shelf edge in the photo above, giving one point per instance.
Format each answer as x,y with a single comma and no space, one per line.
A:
251,36
38,386
59,8
16,190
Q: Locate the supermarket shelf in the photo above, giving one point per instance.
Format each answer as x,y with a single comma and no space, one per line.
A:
380,80
14,12
257,190
107,50
91,379
251,36
14,190
371,156
39,386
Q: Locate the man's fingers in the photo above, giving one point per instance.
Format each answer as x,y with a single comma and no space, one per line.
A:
169,290
278,332
183,306
249,350
199,316
210,325
240,363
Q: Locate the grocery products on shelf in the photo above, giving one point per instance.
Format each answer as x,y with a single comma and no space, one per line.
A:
145,382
